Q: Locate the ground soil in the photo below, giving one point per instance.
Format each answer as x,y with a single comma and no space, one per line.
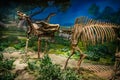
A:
102,71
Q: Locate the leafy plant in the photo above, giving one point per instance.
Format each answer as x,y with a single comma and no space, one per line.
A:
3,45
9,50
20,44
1,56
62,41
32,65
35,48
101,53
7,64
106,60
70,74
48,71
32,42
7,75
11,38
8,41
5,67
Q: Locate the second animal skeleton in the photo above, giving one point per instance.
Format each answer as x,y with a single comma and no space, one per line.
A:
90,32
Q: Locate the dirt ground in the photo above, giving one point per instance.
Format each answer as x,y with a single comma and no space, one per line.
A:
101,71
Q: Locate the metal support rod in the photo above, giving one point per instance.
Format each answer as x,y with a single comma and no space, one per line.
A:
26,47
39,47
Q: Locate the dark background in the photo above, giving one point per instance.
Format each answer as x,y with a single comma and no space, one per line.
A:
66,10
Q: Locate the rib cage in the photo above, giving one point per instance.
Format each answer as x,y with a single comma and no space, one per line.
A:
93,32
90,32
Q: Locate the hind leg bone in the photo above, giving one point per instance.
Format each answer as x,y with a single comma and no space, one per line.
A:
72,52
82,56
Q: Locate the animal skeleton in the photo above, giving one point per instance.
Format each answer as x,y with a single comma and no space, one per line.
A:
40,29
90,32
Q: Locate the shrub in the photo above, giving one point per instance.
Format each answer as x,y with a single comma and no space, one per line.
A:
7,75
69,74
48,71
92,56
9,50
102,53
32,42
21,44
96,52
1,56
35,48
11,38
32,65
3,45
62,41
7,64
6,42
5,67
107,60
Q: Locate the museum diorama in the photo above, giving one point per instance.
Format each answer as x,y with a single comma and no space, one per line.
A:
59,40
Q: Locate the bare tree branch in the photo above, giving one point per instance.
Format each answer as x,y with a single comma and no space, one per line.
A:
37,12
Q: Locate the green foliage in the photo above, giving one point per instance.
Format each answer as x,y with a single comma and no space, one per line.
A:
11,38
46,70
5,67
62,41
8,12
20,44
32,65
8,41
70,74
6,75
92,56
35,48
1,56
3,44
33,42
107,14
94,10
102,53
9,50
65,49
13,41
7,64
107,60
